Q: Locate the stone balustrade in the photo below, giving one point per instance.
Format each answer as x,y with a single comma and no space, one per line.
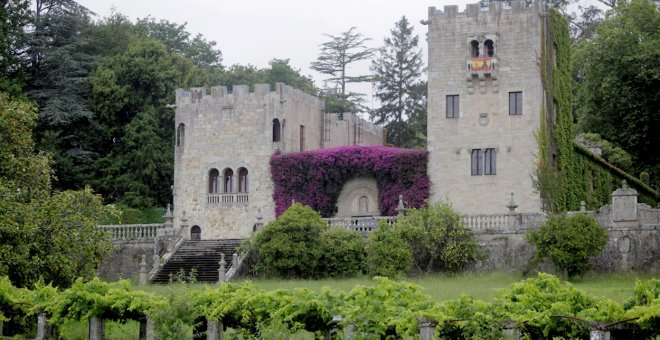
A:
228,198
489,221
132,231
364,225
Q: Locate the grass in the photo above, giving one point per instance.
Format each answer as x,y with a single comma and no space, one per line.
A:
482,286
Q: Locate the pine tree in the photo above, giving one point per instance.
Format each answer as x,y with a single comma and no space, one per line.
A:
398,69
334,58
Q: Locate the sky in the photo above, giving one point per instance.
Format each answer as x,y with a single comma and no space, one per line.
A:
256,31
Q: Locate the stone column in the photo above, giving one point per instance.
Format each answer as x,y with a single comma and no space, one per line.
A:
597,334
234,260
215,330
426,328
221,269
147,329
624,204
44,330
96,328
143,270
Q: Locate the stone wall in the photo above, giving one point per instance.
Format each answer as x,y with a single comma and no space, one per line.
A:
483,120
232,132
124,260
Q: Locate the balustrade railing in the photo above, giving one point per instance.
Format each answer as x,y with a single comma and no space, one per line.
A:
359,224
488,221
131,231
228,198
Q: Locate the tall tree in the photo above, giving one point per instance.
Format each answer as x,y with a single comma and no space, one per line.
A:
14,15
335,57
397,70
618,90
134,129
54,237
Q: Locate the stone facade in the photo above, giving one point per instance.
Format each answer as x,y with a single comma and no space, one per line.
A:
485,96
223,146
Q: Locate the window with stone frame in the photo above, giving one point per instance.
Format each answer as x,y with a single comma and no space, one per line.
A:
476,161
302,137
277,131
242,180
515,103
214,174
452,106
228,181
490,161
180,134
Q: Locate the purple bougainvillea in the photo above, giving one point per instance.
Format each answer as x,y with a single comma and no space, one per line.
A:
315,178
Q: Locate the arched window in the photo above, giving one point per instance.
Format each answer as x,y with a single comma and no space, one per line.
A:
490,48
195,233
180,134
277,135
228,180
213,181
242,180
474,49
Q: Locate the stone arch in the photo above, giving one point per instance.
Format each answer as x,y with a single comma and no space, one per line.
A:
195,233
358,197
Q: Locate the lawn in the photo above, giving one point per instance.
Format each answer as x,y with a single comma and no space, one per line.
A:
483,286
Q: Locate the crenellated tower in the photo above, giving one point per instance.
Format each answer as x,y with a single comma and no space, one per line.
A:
485,99
223,144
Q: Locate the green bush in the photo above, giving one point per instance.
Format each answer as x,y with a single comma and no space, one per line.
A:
291,246
568,242
343,253
437,238
387,254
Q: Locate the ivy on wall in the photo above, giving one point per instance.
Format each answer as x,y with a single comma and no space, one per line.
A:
315,178
566,172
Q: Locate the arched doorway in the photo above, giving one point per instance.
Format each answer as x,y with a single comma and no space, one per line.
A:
195,233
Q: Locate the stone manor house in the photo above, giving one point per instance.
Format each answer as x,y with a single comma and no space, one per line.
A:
484,105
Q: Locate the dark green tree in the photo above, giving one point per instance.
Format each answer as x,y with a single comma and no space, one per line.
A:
54,237
334,59
397,69
14,16
130,93
618,82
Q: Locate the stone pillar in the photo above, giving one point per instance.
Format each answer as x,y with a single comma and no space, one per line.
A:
426,328
96,328
44,330
215,330
624,204
349,332
234,260
512,212
400,209
597,334
147,329
143,270
221,269
510,331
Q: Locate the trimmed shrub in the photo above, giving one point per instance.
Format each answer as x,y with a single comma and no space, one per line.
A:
291,246
437,238
343,253
568,242
387,254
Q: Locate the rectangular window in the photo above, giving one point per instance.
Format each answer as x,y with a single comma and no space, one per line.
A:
490,162
476,161
515,103
326,128
452,106
302,137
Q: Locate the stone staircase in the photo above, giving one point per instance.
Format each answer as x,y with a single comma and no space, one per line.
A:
202,255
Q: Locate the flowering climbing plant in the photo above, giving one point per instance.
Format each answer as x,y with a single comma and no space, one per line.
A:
315,178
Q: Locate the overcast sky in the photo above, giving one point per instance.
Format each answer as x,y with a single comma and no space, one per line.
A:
256,31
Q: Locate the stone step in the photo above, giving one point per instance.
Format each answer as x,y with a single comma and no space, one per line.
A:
202,255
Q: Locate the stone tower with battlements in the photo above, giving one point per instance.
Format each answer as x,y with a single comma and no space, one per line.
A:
224,141
485,99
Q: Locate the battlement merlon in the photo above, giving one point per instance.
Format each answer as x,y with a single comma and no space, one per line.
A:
493,8
242,93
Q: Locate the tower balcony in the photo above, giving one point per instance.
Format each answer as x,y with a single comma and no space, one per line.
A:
481,65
